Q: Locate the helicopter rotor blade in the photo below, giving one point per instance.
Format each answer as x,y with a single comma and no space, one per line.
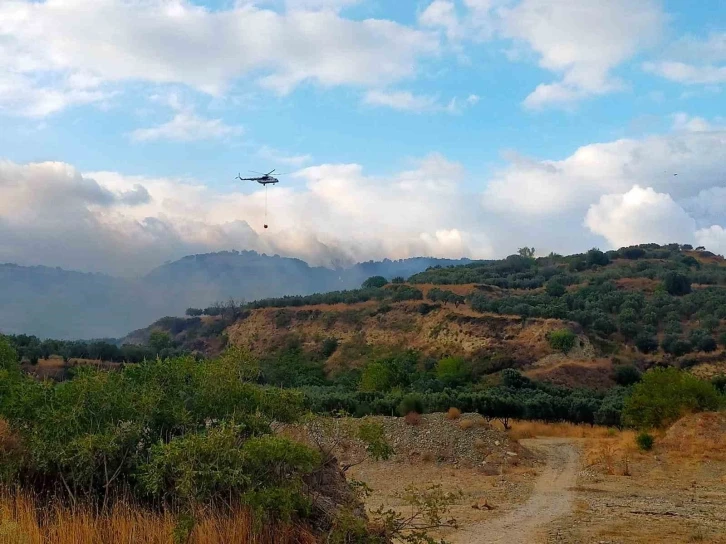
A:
270,172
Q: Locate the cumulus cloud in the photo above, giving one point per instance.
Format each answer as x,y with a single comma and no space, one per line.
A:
604,194
276,156
68,51
186,126
52,214
693,60
583,41
542,187
407,101
640,216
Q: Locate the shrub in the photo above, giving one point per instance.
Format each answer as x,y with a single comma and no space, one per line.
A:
676,346
412,418
645,441
646,343
411,403
453,413
377,376
374,437
677,284
466,424
398,279
707,344
555,288
374,282
328,347
666,394
722,339
626,375
453,371
562,340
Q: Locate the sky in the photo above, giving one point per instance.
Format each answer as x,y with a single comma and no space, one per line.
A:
449,128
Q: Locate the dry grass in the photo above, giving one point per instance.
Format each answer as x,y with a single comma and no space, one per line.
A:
453,413
697,437
603,448
533,429
24,521
466,424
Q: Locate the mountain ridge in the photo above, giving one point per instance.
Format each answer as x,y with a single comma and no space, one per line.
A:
53,302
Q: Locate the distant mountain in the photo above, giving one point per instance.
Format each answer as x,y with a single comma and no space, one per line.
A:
56,303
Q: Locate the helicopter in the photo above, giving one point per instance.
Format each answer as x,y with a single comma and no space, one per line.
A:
264,180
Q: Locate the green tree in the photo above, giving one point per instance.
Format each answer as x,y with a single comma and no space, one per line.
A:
555,288
626,375
666,394
377,376
677,284
526,252
159,341
453,371
562,340
375,282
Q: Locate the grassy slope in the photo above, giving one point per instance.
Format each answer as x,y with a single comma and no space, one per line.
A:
491,340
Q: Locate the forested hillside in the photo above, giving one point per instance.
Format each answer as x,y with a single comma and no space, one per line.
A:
566,319
56,303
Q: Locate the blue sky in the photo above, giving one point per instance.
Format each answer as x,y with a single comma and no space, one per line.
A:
472,111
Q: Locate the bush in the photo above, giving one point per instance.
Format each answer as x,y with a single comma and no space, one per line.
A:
377,376
555,288
646,343
411,403
664,395
453,371
645,441
466,424
677,284
626,375
374,282
398,279
562,340
453,413
412,418
172,431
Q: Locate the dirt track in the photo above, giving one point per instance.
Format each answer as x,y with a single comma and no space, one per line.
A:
552,498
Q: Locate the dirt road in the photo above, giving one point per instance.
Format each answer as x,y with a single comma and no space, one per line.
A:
551,499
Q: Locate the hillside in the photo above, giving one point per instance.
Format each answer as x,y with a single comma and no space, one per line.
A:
645,306
56,303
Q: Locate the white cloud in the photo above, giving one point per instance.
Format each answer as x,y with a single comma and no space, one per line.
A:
51,46
476,20
52,214
542,187
640,216
684,122
582,40
276,156
400,100
335,5
407,101
25,96
687,73
693,60
713,238
442,14
609,193
186,126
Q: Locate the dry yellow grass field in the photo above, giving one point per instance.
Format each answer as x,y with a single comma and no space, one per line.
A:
24,520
